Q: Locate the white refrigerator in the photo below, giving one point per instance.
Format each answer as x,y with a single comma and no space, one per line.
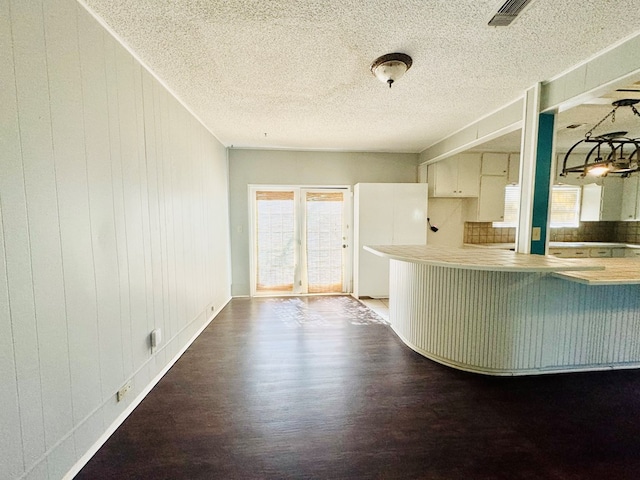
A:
385,214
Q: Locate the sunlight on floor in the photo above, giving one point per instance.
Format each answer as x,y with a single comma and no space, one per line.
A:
378,305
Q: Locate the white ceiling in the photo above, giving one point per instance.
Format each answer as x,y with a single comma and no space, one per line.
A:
295,74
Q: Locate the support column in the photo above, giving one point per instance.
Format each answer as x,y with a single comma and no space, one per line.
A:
535,175
543,183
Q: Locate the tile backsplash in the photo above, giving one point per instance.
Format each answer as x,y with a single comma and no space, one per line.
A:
484,232
586,232
623,232
627,232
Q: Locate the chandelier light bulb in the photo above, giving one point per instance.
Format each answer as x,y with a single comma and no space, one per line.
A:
599,170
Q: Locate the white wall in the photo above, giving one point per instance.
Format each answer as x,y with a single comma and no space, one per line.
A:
114,221
448,215
274,167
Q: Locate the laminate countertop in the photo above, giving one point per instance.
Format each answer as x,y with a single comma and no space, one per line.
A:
470,258
616,271
507,246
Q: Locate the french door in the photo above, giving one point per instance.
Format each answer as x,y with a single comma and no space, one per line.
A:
299,240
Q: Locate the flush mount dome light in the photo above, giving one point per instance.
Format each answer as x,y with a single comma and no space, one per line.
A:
390,67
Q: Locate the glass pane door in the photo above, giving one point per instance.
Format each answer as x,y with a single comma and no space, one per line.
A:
299,240
324,241
275,241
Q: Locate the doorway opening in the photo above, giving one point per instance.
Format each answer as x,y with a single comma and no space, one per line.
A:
300,240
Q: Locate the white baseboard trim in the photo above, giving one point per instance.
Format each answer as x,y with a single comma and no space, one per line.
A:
136,401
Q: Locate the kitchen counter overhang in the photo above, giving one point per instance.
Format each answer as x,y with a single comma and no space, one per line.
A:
504,313
474,259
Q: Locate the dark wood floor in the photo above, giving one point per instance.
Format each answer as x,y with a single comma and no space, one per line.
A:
318,388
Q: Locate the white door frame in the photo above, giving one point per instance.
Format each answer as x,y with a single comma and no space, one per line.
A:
297,189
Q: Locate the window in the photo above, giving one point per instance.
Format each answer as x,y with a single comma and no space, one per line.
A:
511,207
565,206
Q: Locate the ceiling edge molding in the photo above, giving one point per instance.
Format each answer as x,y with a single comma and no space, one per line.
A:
590,59
144,65
613,67
321,150
477,132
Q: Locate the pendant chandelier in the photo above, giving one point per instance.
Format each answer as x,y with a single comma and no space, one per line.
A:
609,153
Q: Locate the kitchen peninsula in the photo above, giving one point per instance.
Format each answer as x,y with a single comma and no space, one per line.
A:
499,312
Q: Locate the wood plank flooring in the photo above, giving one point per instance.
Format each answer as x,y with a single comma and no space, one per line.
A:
320,388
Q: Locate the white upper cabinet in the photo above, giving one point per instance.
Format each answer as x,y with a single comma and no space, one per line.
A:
458,176
603,201
513,176
630,207
611,201
491,199
591,201
495,164
489,206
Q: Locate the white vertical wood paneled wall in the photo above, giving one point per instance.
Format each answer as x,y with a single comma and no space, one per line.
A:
113,222
509,323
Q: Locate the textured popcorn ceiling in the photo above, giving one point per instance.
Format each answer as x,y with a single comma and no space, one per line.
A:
298,71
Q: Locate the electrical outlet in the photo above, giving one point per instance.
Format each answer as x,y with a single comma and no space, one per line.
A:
536,233
123,391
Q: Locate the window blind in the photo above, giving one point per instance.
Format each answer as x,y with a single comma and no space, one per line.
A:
565,206
275,241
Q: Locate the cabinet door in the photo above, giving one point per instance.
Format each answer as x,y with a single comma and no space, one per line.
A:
611,202
565,252
600,252
591,198
445,178
577,252
514,169
495,164
629,198
618,252
491,198
468,174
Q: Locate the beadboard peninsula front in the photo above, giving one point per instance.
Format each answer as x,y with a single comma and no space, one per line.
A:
498,312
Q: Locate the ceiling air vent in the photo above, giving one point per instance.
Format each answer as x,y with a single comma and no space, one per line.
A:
508,12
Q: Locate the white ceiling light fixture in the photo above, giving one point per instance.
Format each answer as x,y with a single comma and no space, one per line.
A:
390,67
